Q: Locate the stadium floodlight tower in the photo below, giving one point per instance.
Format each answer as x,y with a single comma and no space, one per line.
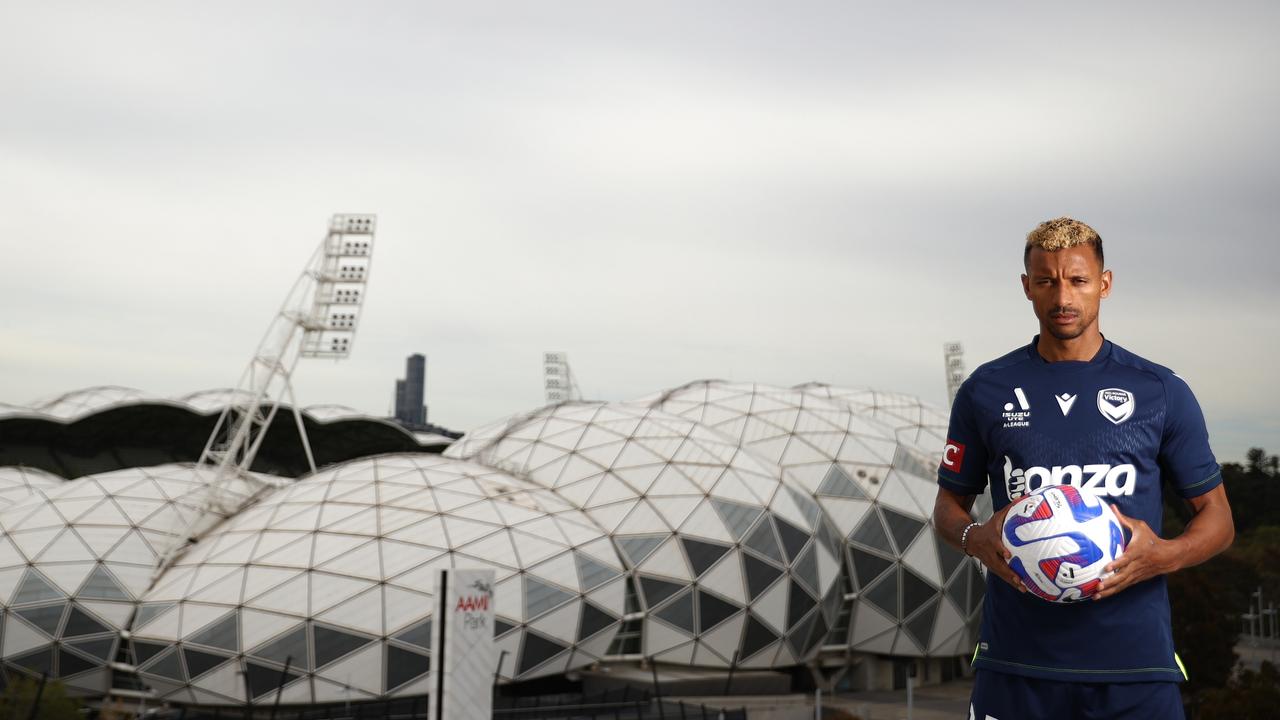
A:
317,320
953,353
560,383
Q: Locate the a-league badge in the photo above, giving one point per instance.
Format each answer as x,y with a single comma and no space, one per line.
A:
1115,404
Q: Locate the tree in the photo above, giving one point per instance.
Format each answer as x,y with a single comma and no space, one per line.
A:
1249,696
20,695
1257,459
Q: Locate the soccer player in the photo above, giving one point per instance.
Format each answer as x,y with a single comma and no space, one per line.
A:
1073,407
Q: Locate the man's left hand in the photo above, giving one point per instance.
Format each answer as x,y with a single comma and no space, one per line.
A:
1146,556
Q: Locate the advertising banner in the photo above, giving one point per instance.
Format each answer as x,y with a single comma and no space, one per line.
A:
463,653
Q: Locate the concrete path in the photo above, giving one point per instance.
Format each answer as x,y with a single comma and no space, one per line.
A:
949,701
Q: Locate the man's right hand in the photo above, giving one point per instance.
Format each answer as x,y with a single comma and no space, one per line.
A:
985,544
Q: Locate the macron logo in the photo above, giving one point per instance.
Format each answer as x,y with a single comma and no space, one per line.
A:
1065,401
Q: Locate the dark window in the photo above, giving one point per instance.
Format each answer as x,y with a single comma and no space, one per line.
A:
593,574
702,555
404,666
292,646
793,538
540,597
637,549
958,590
760,575
870,532
949,558
868,567
70,664
149,611
537,650
977,588
264,679
884,594
420,634
593,620
46,618
921,626
39,662
712,611
144,651
34,589
737,517
904,528
757,637
79,623
679,612
915,592
223,634
807,568
101,648
332,644
166,665
655,590
199,663
763,541
799,602
799,635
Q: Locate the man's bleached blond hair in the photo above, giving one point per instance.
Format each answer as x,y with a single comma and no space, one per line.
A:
1062,233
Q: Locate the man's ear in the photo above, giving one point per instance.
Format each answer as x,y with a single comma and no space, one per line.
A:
1026,286
1106,283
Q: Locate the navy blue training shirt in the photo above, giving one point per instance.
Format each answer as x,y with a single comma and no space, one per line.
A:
1118,426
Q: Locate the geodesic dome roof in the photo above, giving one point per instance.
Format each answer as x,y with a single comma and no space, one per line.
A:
326,585
75,557
106,428
855,452
731,561
19,483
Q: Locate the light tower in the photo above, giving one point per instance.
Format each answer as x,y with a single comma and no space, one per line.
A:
318,319
560,383
953,354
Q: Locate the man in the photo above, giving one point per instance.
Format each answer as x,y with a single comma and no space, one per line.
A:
1074,407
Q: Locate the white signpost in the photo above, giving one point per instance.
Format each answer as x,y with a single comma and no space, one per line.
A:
463,653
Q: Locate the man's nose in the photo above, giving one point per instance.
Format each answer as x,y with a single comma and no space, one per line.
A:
1064,294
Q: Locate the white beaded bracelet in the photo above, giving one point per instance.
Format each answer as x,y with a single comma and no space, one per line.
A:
964,536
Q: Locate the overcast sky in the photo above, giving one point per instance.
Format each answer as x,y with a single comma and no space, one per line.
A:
666,191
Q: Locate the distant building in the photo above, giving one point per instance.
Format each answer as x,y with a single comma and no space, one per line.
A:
410,391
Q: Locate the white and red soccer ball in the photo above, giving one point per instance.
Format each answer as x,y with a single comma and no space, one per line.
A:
1061,540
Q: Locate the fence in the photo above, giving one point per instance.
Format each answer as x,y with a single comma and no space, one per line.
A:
624,704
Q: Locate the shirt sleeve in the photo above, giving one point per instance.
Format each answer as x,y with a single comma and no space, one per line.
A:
1186,461
964,457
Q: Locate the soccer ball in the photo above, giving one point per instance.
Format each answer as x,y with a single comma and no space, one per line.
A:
1061,539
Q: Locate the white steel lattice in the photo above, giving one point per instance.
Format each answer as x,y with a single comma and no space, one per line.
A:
318,319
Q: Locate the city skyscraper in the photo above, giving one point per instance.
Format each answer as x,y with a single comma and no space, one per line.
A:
410,391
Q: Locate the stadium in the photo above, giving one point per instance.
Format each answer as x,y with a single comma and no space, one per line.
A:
207,551
708,526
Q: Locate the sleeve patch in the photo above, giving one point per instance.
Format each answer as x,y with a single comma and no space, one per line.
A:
953,456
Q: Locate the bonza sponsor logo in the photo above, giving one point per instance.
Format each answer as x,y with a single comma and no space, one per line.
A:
1098,479
1020,417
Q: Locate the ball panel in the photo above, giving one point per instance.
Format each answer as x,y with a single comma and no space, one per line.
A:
1061,539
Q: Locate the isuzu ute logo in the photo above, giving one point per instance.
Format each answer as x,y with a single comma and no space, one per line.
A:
1115,404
